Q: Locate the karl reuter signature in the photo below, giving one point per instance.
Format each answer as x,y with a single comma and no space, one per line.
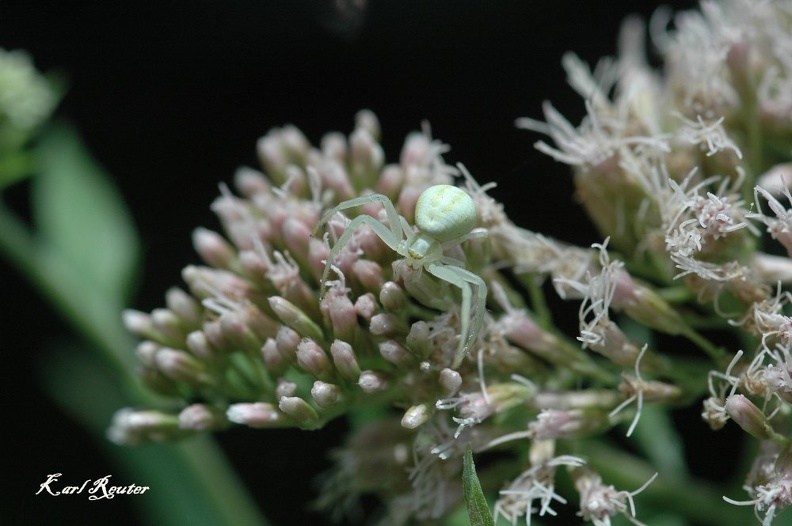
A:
97,489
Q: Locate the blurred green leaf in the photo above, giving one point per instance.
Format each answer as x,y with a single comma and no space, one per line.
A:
81,216
190,482
659,440
478,511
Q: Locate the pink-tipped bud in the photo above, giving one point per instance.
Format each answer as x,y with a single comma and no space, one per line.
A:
345,361
138,323
214,249
373,381
450,381
146,351
573,423
202,417
296,235
395,353
343,315
392,297
185,307
312,359
418,339
273,359
366,306
417,416
180,366
749,417
295,318
390,181
326,394
257,415
132,427
287,341
250,182
368,274
299,410
388,325
285,388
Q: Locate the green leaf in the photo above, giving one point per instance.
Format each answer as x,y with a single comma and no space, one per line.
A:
477,508
82,219
189,480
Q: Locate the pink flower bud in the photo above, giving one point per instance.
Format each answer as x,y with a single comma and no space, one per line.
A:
388,325
312,359
748,416
185,307
258,415
366,306
299,410
417,416
214,249
295,318
373,381
395,353
392,297
326,394
202,417
345,361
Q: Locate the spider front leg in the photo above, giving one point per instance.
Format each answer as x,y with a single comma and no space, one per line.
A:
463,279
382,231
391,235
387,204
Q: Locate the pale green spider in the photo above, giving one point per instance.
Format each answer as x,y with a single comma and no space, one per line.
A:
444,217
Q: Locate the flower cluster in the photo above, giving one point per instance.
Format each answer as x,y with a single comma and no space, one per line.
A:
377,309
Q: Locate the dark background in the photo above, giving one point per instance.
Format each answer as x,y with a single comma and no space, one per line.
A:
171,96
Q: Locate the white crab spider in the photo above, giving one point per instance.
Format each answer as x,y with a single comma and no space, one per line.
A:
444,217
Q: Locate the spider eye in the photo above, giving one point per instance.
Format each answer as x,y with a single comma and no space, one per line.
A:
445,212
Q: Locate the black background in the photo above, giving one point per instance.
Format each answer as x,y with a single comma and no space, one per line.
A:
171,96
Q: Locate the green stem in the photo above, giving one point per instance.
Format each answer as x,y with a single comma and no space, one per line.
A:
716,354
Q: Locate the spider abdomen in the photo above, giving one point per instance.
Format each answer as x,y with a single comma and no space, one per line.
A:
445,212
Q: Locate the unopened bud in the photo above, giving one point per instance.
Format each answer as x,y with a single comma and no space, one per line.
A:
572,423
345,361
257,415
392,297
366,306
214,249
131,427
312,359
395,353
299,410
388,325
295,318
373,381
417,416
185,307
199,346
180,366
450,380
285,388
418,339
274,362
326,394
343,315
749,417
286,342
296,235
368,274
202,417
139,323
